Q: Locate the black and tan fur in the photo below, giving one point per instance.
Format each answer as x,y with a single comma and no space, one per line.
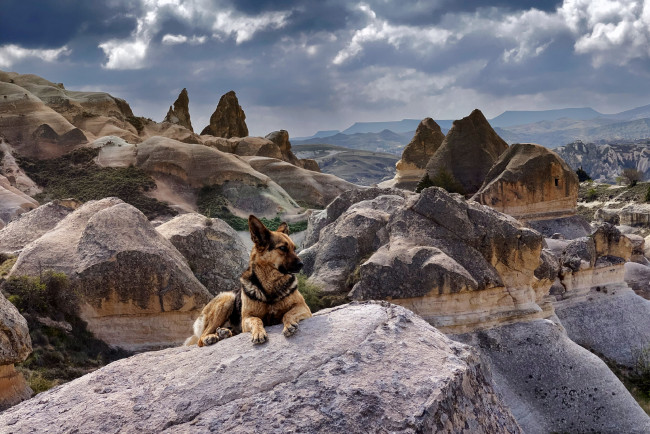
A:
268,294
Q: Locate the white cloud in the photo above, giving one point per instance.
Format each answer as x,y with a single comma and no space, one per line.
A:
182,39
202,15
395,35
11,54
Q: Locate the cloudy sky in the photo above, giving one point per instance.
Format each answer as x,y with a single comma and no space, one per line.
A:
324,64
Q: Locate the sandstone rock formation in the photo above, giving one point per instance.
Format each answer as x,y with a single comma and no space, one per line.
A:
136,289
633,214
179,169
469,150
16,176
412,167
228,120
214,251
33,224
310,188
530,182
13,202
637,276
15,346
180,113
357,368
597,308
457,264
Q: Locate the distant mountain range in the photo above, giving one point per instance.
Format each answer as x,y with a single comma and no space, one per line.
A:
551,128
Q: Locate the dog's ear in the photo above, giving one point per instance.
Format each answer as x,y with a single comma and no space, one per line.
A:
284,228
260,235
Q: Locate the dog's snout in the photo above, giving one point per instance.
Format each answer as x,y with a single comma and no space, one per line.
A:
299,265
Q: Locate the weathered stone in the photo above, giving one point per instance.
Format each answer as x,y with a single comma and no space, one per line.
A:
566,227
311,188
136,289
33,224
13,202
459,265
15,346
553,385
637,276
610,242
180,112
214,251
412,166
357,368
530,182
638,248
281,139
228,120
469,150
13,172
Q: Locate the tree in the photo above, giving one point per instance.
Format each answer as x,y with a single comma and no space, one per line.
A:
631,176
582,175
424,183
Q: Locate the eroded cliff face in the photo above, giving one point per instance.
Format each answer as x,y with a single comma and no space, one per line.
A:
362,367
15,346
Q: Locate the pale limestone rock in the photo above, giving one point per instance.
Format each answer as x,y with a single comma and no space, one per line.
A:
136,289
357,368
530,182
13,202
33,224
15,346
12,171
214,251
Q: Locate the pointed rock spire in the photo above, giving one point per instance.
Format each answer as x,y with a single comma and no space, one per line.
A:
228,120
180,113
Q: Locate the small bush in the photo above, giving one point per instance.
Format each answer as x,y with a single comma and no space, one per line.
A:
444,179
592,194
582,175
631,176
310,292
425,182
49,295
641,373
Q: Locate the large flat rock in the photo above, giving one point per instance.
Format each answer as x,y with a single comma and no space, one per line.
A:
357,368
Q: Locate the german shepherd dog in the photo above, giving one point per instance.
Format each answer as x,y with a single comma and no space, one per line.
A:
268,293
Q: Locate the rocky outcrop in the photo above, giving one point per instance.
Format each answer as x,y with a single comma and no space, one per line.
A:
15,346
180,169
632,214
469,150
310,188
357,368
228,120
180,113
136,290
553,385
16,176
637,276
33,224
530,182
281,139
412,166
13,202
214,251
597,308
458,264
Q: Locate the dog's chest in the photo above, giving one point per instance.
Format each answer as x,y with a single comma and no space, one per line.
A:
274,314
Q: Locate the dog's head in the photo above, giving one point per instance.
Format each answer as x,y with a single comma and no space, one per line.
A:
274,248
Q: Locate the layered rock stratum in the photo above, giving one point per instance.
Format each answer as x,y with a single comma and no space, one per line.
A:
468,152
15,346
358,368
136,290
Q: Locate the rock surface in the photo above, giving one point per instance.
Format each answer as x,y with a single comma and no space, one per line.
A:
136,290
530,182
459,265
568,227
180,112
553,385
356,368
228,120
412,166
469,150
13,202
15,346
33,224
214,251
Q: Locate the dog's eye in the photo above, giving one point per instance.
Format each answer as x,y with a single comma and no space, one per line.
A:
283,248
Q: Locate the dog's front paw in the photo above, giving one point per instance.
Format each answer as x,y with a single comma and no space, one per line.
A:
258,337
223,333
210,339
290,329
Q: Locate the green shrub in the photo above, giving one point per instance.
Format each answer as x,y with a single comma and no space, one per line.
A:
76,175
425,182
310,292
592,194
50,294
641,373
444,179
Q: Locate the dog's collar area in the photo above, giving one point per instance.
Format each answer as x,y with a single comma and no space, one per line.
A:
254,289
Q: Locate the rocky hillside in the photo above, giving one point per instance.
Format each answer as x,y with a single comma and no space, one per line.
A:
605,162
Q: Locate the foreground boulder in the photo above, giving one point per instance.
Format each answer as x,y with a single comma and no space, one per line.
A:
136,290
214,251
228,120
412,166
15,346
468,152
357,368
